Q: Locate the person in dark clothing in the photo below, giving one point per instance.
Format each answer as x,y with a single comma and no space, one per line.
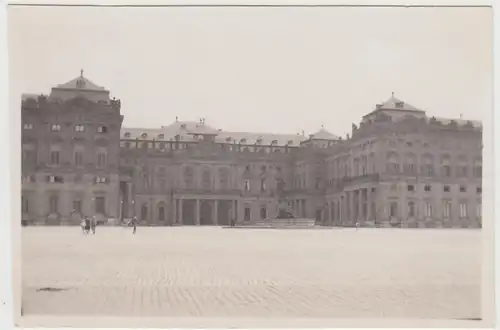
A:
134,224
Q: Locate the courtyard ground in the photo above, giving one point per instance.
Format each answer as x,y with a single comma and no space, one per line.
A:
217,272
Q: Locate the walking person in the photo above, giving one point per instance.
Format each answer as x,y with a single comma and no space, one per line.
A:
93,224
134,224
87,225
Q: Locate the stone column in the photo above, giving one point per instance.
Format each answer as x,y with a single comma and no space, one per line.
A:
180,220
197,212
215,212
173,216
369,204
360,205
130,205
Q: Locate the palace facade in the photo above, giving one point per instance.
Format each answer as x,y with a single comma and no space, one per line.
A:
398,167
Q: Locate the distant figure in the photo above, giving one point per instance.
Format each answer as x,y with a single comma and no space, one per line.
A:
357,225
233,222
134,224
82,224
93,224
87,225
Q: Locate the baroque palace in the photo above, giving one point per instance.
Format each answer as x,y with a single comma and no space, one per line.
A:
398,167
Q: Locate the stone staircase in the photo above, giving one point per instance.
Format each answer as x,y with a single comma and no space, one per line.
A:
284,223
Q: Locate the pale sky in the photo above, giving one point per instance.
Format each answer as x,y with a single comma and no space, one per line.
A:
279,70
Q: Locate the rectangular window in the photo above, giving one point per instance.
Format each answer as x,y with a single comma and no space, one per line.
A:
463,210
53,204
428,210
101,179
77,206
247,185
262,185
427,187
478,210
100,204
411,187
78,158
411,209
478,171
54,157
463,189
79,128
101,159
28,126
393,210
446,188
55,127
247,214
102,129
263,212
446,171
479,190
429,169
446,209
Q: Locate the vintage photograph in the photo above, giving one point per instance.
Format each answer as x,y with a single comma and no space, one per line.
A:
222,162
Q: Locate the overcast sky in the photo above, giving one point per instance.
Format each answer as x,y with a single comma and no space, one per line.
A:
280,70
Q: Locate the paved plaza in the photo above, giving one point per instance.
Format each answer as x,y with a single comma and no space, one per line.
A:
217,272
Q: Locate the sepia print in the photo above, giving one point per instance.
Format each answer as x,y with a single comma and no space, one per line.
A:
257,163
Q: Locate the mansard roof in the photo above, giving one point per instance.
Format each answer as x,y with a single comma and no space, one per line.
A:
323,134
395,104
81,83
187,129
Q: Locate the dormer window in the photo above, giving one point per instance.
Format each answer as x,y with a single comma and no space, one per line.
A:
243,140
102,129
290,142
101,179
378,106
259,141
55,127
144,135
80,83
161,136
79,128
400,105
183,126
228,139
28,126
127,134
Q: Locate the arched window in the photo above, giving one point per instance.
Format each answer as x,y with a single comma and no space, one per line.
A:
393,163
223,178
462,168
206,179
371,162
161,213
188,177
445,166
427,165
144,212
411,164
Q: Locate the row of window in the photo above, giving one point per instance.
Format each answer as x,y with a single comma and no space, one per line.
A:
77,128
428,209
60,179
164,146
54,205
446,188
55,158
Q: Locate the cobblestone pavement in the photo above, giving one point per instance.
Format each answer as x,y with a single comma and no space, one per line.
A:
216,272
